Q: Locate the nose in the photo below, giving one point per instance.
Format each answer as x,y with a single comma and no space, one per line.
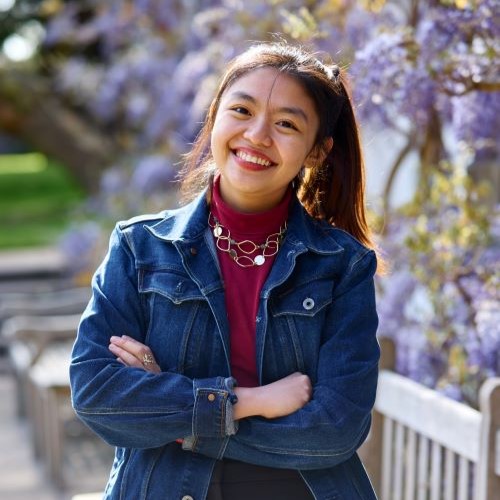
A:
258,132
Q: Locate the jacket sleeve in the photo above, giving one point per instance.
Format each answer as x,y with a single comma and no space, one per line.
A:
336,421
129,407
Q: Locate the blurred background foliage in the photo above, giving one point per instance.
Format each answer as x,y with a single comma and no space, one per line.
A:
115,92
36,196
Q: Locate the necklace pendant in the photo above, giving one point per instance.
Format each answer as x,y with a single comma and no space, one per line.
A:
259,260
241,251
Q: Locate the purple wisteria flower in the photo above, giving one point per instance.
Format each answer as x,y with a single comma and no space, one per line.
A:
79,245
113,181
390,82
476,121
152,174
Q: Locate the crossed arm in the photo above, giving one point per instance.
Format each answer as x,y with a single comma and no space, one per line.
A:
277,399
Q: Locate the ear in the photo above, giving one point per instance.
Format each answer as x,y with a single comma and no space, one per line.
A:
319,153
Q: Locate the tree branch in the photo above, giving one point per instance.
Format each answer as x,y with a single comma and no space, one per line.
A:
410,144
471,86
30,112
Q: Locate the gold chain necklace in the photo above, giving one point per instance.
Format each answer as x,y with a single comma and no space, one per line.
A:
225,243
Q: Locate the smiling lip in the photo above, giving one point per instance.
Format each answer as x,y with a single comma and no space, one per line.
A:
252,159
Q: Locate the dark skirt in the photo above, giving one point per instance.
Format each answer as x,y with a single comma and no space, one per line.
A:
234,480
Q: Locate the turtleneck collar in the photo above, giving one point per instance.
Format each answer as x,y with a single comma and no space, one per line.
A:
249,225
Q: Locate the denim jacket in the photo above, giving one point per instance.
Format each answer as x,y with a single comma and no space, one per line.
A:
160,283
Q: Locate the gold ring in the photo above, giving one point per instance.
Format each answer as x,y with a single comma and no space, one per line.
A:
147,359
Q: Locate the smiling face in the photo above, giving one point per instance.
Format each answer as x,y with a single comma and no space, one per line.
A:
264,132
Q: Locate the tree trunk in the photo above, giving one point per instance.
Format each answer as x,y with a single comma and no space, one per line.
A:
487,171
431,153
30,112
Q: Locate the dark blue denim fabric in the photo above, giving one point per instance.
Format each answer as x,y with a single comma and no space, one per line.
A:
160,283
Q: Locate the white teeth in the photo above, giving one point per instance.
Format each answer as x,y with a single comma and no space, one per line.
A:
253,159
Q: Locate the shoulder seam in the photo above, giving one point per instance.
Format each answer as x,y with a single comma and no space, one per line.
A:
124,224
352,238
362,256
123,239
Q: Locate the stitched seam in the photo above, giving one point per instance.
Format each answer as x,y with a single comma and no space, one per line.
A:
125,475
147,476
111,411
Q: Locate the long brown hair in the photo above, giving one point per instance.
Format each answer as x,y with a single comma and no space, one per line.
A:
333,189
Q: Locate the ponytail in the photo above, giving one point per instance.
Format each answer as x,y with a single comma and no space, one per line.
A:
334,190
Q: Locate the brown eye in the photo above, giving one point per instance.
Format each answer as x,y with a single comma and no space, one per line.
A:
241,110
287,124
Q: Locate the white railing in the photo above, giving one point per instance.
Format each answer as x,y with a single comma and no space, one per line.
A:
424,446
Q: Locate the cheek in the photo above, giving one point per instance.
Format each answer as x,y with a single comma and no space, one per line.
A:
215,142
219,136
296,153
218,147
212,144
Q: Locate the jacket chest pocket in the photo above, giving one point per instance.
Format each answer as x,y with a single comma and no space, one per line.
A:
297,319
182,331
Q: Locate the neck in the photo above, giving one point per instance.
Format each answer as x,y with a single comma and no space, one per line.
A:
254,224
250,203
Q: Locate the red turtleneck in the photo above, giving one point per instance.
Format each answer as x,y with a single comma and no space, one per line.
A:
243,284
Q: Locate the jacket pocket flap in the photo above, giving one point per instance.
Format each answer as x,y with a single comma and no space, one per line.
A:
305,300
176,287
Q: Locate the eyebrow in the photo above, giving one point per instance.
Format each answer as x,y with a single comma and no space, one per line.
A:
291,110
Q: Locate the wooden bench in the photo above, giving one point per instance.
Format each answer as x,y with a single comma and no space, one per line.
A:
49,406
27,337
65,302
424,446
46,303
32,284
22,264
41,350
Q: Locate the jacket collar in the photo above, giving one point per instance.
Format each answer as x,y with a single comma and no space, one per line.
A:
190,221
185,223
315,235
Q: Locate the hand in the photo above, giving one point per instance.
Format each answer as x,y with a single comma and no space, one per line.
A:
131,352
278,399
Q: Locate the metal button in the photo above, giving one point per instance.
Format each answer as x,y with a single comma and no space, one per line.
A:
187,497
308,304
211,397
193,251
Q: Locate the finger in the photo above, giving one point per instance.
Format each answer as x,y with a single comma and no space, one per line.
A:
131,339
127,358
138,349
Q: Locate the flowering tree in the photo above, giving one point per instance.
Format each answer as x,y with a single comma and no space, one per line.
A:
440,60
441,301
425,72
143,72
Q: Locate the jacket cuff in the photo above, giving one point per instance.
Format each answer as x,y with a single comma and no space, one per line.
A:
213,407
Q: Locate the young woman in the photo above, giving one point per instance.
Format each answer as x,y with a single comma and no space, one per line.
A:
229,348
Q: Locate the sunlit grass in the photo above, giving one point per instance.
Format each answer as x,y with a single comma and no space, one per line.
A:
38,199
28,163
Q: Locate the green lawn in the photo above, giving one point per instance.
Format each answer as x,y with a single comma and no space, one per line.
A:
38,199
